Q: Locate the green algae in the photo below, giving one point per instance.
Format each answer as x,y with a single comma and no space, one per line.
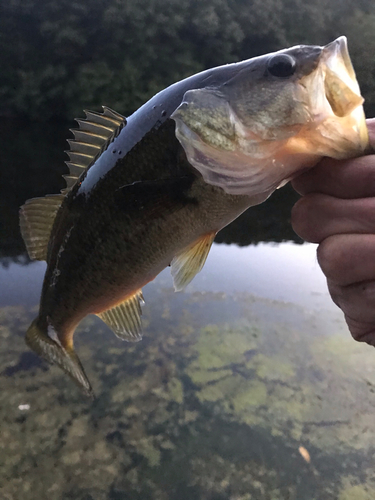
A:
176,390
220,390
357,492
255,395
218,348
202,377
271,368
348,359
146,448
219,408
278,392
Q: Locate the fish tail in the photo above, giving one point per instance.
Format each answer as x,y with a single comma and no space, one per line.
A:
45,342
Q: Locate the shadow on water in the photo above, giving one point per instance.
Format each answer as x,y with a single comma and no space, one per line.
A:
245,387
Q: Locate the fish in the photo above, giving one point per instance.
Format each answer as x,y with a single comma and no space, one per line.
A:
152,190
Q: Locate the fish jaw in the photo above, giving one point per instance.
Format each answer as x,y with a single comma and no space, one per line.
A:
344,95
247,152
338,124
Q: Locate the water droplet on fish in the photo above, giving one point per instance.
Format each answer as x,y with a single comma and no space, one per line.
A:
163,113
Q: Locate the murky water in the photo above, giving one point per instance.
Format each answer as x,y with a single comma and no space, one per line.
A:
247,386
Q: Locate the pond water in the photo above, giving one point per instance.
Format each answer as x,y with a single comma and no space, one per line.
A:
246,386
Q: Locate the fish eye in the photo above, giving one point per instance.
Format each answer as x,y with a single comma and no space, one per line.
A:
281,65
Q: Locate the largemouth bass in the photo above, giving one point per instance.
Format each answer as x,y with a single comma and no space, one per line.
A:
153,190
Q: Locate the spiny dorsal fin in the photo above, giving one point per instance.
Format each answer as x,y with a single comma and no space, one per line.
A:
93,136
125,318
187,263
36,220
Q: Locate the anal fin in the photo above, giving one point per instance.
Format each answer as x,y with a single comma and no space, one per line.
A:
36,220
187,263
125,318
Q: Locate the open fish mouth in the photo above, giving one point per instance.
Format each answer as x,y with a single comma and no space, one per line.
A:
336,105
340,83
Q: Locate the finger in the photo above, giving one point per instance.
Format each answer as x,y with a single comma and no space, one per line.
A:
358,304
344,179
370,122
317,216
348,258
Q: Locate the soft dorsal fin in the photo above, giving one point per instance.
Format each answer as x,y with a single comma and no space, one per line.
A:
93,136
36,220
187,263
125,318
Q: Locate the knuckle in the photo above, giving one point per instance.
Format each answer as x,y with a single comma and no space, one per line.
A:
361,332
300,218
336,293
356,331
332,259
303,219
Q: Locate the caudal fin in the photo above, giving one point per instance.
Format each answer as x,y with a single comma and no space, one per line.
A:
54,352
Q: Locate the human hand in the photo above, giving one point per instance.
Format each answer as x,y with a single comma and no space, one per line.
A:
337,210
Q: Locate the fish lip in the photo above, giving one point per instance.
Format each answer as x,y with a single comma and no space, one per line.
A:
340,83
339,47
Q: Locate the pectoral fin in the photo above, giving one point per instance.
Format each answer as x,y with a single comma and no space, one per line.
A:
190,261
125,318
